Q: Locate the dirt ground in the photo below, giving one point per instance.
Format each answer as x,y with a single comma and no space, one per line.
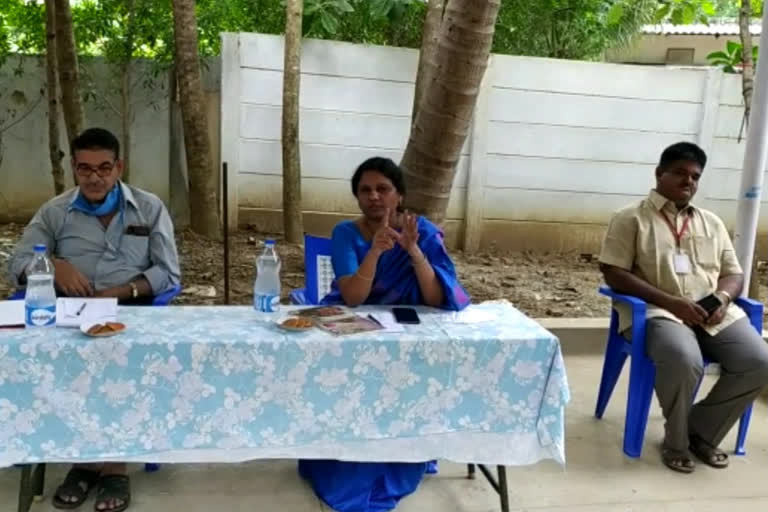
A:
540,285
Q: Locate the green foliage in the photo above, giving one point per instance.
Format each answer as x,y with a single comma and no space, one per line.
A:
730,8
570,29
573,29
22,27
731,59
685,12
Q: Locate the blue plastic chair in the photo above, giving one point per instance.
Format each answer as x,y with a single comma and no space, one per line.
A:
642,373
163,299
318,271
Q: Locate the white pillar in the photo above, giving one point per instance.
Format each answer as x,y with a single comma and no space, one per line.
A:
755,156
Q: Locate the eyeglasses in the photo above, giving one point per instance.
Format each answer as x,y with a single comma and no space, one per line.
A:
102,171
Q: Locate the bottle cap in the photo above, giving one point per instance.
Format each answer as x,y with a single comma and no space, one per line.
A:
269,241
39,247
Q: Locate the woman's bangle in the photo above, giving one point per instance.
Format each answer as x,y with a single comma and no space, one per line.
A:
363,277
421,262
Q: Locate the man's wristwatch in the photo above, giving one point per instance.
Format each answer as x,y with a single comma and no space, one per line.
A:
726,295
134,290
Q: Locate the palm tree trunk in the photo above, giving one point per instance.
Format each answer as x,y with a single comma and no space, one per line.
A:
445,109
429,34
54,150
71,103
203,183
293,222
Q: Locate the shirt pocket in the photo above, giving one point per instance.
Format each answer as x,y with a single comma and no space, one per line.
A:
135,250
706,252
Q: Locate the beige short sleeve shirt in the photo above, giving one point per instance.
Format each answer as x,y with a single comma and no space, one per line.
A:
641,241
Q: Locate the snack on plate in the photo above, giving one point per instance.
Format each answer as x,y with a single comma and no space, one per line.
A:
106,328
298,323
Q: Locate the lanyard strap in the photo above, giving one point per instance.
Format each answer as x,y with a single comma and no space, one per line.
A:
683,229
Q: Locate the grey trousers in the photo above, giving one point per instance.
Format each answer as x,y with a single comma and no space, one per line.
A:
677,351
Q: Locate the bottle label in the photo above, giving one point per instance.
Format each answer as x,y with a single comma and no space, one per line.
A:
40,317
267,303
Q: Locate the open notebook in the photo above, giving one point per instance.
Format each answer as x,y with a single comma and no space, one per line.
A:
72,311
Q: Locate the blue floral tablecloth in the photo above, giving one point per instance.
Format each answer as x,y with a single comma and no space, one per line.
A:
222,384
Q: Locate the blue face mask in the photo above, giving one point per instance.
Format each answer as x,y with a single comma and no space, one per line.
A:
111,203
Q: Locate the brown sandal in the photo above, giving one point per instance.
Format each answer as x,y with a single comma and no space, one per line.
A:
708,454
677,461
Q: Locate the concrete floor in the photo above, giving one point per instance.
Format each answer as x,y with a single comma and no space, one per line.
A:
597,478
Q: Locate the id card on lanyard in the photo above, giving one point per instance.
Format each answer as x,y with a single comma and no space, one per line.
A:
681,260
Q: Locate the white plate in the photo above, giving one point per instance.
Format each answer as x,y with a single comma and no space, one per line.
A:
279,323
84,327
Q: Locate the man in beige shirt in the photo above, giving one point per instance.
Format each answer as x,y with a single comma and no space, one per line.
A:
672,254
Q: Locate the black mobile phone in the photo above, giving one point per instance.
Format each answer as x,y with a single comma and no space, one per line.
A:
406,315
710,303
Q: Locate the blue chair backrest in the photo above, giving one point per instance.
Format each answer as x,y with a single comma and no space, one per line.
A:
318,268
163,299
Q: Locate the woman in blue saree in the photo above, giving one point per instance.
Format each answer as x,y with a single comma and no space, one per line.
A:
385,257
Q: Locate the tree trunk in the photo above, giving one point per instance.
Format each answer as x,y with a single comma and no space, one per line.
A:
445,109
71,103
747,85
126,107
203,184
177,164
429,34
126,117
54,150
748,66
293,222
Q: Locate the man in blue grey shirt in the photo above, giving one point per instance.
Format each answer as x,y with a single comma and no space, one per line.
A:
106,239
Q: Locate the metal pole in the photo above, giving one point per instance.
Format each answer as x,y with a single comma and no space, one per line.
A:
748,211
225,198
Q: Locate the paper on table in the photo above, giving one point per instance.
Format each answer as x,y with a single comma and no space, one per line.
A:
11,313
71,311
386,320
471,316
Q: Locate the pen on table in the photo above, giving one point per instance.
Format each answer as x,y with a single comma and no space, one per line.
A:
81,308
375,320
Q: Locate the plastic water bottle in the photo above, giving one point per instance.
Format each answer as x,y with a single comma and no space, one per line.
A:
40,298
266,287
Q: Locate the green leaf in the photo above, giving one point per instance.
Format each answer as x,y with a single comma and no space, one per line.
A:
662,13
380,8
708,8
329,23
311,8
344,6
689,14
615,13
718,55
733,47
